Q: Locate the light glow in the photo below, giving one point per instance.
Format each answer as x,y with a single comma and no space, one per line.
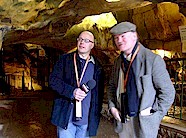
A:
102,20
163,53
112,0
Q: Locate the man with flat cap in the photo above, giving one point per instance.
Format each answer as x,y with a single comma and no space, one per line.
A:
140,90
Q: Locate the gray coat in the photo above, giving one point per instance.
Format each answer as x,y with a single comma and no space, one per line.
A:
154,87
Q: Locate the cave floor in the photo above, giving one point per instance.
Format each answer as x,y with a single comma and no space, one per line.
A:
29,117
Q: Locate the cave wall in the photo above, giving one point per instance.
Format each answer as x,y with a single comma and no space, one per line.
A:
157,26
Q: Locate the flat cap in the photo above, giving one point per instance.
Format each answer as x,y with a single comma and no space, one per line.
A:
123,27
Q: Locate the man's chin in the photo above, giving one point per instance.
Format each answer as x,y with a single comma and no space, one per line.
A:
121,49
81,52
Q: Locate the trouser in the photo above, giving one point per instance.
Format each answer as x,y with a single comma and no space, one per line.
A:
73,131
130,129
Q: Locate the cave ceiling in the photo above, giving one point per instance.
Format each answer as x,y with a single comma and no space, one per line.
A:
46,22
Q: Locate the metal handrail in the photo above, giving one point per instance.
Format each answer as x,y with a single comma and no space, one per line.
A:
177,70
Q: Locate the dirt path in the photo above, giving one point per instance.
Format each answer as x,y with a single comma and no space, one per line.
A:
30,118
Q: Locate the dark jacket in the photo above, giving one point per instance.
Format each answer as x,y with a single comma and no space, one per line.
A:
63,81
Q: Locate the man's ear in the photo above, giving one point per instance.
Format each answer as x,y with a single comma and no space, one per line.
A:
135,35
92,46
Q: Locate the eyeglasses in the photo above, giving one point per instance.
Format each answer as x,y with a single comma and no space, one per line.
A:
85,40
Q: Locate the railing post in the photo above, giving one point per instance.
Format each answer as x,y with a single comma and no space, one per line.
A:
182,88
23,82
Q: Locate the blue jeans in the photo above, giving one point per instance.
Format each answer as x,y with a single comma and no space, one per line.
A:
73,131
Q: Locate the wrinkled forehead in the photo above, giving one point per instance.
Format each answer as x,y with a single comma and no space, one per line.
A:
87,35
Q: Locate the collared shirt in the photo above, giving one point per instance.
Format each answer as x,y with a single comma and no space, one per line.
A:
92,59
128,58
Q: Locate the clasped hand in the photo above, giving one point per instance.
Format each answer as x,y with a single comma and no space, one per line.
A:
79,94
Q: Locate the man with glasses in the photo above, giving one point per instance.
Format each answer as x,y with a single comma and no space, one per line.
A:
76,111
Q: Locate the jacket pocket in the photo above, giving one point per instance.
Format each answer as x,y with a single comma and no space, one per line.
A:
61,112
150,124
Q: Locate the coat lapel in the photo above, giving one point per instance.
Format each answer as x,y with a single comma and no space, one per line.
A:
138,66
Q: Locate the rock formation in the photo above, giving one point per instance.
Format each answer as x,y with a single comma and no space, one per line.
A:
46,24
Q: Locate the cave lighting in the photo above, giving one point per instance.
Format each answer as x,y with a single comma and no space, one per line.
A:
102,20
163,53
112,0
